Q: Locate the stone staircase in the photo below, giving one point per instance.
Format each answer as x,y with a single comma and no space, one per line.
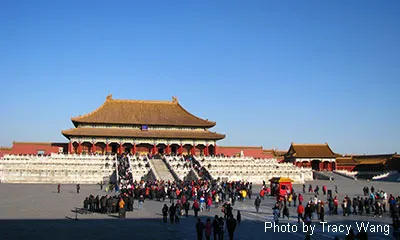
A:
161,170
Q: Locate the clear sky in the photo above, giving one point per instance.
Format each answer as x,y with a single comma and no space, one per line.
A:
268,72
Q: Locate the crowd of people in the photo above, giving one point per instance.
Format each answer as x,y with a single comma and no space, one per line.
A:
202,195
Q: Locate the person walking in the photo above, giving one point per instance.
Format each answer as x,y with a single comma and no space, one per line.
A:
300,211
231,226
199,229
141,200
215,225
78,188
196,208
165,213
172,210
59,188
208,229
257,203
238,217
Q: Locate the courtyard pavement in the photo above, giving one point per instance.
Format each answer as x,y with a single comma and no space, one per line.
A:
36,211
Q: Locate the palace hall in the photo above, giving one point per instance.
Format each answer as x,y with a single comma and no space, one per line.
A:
142,126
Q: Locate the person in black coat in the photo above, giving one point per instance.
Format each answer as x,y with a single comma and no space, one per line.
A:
165,213
231,226
199,229
172,210
322,213
215,225
257,203
187,207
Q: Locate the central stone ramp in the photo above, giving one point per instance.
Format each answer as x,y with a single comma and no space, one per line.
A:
161,170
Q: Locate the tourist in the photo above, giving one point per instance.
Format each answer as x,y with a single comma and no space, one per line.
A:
177,213
216,200
58,188
285,211
199,229
172,212
360,206
351,235
202,203
221,228
301,198
316,190
362,235
294,199
187,207
208,229
141,200
196,208
300,212
257,203
215,225
209,203
322,212
262,193
276,214
121,205
231,226
78,188
164,211
238,217
335,205
290,198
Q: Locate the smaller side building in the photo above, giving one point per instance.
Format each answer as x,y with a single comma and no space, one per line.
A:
369,163
319,157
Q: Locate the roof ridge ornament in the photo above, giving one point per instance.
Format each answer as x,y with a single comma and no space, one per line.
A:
109,97
174,99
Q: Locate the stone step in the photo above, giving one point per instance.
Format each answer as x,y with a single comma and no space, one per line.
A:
162,170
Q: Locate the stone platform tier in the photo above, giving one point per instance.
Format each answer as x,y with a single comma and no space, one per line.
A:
56,168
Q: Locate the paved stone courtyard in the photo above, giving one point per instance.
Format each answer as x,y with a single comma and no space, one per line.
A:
39,212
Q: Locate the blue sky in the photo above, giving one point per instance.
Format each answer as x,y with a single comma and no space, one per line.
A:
268,72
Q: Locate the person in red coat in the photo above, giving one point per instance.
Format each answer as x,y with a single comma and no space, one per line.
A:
300,212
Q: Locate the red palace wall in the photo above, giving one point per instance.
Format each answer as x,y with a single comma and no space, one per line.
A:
256,152
33,148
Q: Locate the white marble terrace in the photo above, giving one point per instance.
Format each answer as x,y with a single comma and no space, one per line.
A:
253,170
56,168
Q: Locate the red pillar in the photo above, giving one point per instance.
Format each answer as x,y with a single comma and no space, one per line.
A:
154,150
106,147
70,147
180,150
120,148
134,148
168,150
93,147
329,166
215,149
206,150
80,148
321,166
193,150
